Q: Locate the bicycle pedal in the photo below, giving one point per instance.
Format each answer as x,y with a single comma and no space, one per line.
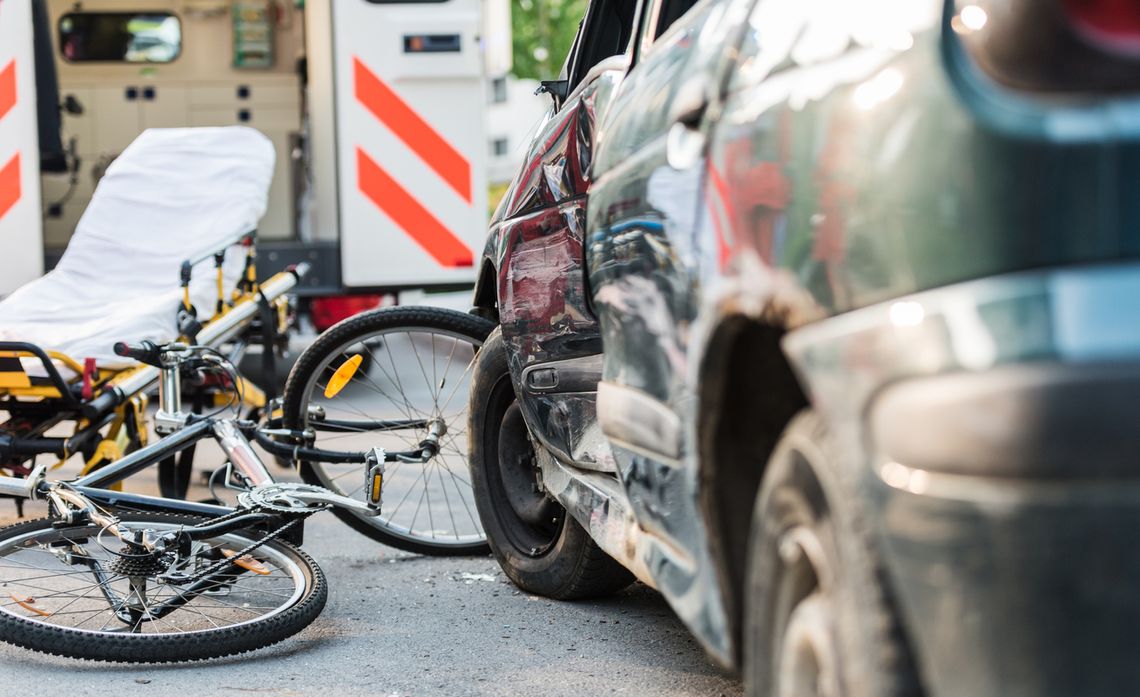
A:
374,480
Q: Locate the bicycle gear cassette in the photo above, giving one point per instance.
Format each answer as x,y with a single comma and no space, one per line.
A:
285,497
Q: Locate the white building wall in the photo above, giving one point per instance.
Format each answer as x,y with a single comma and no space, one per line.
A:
513,121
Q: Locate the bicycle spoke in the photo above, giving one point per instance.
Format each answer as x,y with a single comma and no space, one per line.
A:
64,600
395,379
462,376
393,514
419,505
435,400
447,501
389,389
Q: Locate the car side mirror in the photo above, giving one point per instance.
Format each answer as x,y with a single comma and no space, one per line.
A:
558,89
72,106
690,104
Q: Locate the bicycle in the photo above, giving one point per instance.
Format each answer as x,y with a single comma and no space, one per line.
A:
119,576
388,391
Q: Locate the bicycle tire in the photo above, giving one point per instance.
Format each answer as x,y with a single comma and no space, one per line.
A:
358,330
115,646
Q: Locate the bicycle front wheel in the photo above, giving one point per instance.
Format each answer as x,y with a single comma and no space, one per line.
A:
380,380
68,590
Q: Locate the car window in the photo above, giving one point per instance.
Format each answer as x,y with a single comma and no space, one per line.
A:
120,37
658,18
671,11
607,32
689,53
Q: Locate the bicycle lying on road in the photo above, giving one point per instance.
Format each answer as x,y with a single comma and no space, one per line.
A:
118,576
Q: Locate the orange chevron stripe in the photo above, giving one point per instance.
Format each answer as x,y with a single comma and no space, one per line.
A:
7,88
410,127
410,215
9,185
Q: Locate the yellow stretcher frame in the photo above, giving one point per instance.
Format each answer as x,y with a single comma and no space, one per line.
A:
108,407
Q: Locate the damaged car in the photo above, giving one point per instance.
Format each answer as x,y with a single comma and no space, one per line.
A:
823,319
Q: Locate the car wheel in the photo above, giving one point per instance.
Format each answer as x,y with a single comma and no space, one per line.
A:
819,617
540,548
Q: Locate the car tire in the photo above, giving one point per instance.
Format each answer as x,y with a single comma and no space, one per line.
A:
540,548
819,616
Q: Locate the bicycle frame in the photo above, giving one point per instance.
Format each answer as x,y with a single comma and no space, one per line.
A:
183,430
94,485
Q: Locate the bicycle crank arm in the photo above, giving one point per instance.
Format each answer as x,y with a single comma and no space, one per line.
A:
318,498
296,498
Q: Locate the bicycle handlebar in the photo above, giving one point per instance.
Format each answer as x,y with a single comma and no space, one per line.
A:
144,352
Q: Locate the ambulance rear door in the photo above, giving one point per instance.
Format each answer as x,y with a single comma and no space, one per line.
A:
410,144
21,226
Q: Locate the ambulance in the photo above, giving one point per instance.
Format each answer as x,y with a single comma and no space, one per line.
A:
375,108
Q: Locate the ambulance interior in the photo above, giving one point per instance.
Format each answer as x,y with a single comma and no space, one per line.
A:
124,66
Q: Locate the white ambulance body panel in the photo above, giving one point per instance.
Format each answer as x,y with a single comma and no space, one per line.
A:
409,105
21,233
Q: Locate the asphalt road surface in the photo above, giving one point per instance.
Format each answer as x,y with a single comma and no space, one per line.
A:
403,624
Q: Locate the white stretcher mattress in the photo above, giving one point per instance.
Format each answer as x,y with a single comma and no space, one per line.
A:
172,195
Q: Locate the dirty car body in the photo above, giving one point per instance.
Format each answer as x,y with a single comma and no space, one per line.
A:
912,217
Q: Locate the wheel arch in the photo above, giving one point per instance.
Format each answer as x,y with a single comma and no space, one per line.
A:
748,394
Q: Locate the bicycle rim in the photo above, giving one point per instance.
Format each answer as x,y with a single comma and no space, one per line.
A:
68,587
411,375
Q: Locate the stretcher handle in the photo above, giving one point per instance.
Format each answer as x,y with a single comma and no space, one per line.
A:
144,352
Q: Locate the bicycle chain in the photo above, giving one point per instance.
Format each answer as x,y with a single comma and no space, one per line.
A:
222,563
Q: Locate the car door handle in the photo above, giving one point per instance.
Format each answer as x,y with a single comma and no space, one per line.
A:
685,142
690,104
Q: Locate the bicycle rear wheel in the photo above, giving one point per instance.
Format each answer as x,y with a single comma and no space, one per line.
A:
377,380
65,591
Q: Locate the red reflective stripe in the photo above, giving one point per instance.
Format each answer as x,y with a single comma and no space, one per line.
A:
7,89
724,250
410,127
9,185
413,218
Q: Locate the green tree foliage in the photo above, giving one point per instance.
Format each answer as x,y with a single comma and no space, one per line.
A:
542,32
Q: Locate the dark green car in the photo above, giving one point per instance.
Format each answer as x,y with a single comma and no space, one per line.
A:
851,288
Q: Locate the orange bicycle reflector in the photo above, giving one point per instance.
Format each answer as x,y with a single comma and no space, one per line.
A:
375,484
29,604
247,562
342,375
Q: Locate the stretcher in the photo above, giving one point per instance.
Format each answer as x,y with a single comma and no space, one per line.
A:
165,251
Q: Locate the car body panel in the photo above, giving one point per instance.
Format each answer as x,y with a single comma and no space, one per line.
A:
855,184
535,251
847,171
872,174
644,264
1003,533
894,210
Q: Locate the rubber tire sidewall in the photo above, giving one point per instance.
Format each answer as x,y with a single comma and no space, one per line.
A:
806,482
574,566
